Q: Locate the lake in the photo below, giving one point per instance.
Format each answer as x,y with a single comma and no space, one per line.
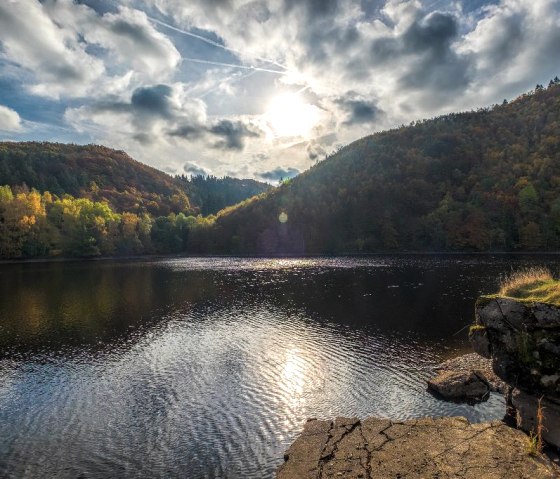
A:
209,367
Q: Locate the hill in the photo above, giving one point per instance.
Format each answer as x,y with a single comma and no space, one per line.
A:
94,172
480,180
70,200
210,194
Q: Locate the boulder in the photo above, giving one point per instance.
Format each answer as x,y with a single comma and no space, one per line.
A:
473,362
460,385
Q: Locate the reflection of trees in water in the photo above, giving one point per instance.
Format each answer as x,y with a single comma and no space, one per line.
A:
55,304
97,304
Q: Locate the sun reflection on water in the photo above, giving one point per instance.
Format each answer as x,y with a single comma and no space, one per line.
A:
294,374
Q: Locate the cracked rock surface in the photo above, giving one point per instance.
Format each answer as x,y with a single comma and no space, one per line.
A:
424,448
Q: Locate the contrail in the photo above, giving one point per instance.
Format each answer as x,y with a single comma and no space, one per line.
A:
229,79
233,65
212,42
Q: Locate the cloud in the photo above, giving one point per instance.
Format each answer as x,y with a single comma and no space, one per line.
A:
233,134
133,42
280,173
194,169
57,61
9,120
514,44
68,50
154,100
358,109
315,151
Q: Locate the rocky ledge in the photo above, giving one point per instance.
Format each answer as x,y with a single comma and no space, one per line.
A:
424,448
522,339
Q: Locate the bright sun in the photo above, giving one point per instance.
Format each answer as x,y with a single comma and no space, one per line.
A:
288,115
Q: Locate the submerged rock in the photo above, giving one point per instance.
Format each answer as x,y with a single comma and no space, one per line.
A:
467,378
460,385
381,448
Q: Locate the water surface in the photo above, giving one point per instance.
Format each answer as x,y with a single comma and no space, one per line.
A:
208,367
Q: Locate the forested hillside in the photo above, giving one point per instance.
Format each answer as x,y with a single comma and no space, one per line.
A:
481,180
94,172
209,194
71,200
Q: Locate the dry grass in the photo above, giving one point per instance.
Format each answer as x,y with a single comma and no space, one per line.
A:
523,278
535,442
532,284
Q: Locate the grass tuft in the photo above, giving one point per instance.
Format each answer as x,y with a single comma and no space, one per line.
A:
532,284
476,327
535,442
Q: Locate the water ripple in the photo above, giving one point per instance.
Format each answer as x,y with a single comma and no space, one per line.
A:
209,367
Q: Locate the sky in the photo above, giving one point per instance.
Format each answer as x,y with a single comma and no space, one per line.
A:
259,88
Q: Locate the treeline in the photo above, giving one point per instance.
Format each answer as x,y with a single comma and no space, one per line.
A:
209,194
476,181
34,224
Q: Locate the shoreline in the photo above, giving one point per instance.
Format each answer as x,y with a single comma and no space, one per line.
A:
149,257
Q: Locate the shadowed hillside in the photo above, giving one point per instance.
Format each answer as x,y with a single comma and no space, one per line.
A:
480,180
210,194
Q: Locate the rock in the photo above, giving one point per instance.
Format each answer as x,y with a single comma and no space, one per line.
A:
460,385
475,362
480,342
527,405
524,342
443,448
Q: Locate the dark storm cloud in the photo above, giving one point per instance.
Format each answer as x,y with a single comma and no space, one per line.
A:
232,134
134,32
507,40
280,173
143,138
145,101
439,67
322,35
